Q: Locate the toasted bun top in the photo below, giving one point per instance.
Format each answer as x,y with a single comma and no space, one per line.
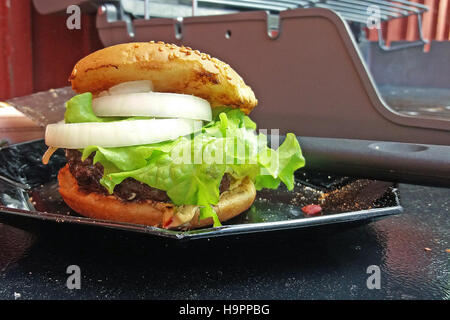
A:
170,68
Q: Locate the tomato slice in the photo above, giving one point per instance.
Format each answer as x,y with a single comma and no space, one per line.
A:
312,209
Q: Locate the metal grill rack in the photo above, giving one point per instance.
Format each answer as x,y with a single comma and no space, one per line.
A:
366,13
374,12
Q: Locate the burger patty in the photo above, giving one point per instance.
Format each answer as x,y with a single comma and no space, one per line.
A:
88,176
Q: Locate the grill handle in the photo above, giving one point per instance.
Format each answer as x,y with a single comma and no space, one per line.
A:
381,160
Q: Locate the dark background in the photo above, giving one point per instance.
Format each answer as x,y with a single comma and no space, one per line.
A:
318,263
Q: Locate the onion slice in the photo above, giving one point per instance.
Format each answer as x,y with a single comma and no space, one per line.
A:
48,154
118,133
131,87
153,104
128,87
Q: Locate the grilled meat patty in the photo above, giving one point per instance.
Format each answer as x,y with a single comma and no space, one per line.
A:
88,176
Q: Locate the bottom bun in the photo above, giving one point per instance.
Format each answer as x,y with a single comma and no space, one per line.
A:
152,213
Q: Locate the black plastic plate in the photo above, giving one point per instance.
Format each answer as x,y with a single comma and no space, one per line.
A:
28,189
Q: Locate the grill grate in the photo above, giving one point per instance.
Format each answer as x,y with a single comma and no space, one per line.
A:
352,10
363,13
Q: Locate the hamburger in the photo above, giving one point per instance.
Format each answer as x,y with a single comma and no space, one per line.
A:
160,135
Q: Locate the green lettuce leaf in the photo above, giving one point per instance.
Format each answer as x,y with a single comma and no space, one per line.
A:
79,109
191,168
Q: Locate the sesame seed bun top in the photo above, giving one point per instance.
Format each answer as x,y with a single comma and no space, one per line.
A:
169,67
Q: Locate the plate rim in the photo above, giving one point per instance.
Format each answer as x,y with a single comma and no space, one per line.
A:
224,230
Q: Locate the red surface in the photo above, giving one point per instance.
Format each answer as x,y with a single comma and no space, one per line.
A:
39,51
57,48
429,22
16,48
442,23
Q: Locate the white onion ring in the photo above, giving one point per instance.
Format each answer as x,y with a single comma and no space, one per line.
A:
128,87
131,87
153,104
118,133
